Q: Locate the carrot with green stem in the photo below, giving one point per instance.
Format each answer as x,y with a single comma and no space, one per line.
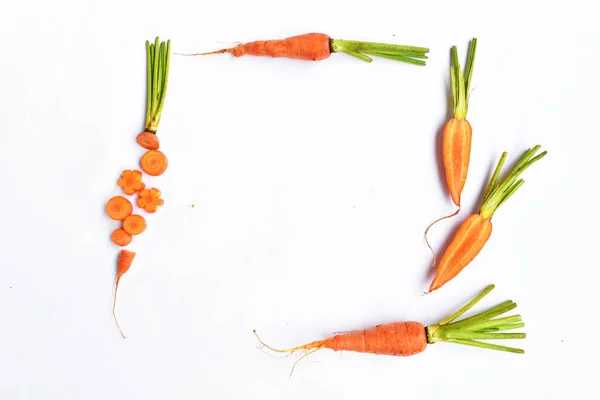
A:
157,70
456,142
475,231
319,46
408,338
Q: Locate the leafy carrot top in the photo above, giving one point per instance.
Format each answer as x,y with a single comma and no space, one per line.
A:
461,83
158,56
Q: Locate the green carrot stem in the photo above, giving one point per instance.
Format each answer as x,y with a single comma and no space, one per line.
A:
494,180
467,306
507,187
157,70
470,62
391,51
460,81
479,326
486,345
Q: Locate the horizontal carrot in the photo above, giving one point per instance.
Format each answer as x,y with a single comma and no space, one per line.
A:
411,337
319,46
118,208
123,264
475,231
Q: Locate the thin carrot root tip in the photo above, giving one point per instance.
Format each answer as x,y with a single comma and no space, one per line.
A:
126,258
118,208
429,227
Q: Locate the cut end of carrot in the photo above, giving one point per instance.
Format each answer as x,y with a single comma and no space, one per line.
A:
118,208
121,238
148,140
134,224
154,162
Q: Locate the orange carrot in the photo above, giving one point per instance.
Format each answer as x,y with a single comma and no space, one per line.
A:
318,46
134,224
121,238
410,338
456,143
150,199
125,260
475,231
118,208
131,181
148,140
154,162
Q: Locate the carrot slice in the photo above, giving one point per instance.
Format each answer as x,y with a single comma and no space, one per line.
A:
131,181
148,140
118,208
134,224
154,162
121,238
150,199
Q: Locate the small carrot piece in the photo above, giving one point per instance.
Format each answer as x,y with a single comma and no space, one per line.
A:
154,162
118,208
134,224
319,46
150,199
475,231
411,337
148,140
123,264
120,237
131,181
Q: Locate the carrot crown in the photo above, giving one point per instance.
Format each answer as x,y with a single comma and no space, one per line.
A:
461,83
408,54
481,326
497,193
158,57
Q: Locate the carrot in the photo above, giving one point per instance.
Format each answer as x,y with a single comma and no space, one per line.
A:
475,231
456,143
149,200
134,224
154,162
118,208
121,238
125,260
318,46
148,140
131,181
411,337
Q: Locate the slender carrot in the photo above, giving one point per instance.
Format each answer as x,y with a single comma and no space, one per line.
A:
475,231
158,58
120,237
154,162
125,260
411,337
134,224
318,46
456,143
118,208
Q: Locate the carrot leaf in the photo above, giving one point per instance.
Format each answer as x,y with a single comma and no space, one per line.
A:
470,331
408,54
498,193
460,82
157,70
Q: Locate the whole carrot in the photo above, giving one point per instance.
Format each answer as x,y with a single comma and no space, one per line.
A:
475,231
456,141
319,46
411,337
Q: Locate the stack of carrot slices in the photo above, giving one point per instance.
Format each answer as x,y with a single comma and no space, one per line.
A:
153,163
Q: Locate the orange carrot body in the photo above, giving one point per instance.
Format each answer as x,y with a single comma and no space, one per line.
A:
148,140
125,260
466,244
310,46
456,154
154,162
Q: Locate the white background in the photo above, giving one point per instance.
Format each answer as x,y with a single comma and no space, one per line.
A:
312,183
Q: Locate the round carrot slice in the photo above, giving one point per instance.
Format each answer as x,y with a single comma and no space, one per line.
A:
121,238
118,208
148,140
154,162
134,224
